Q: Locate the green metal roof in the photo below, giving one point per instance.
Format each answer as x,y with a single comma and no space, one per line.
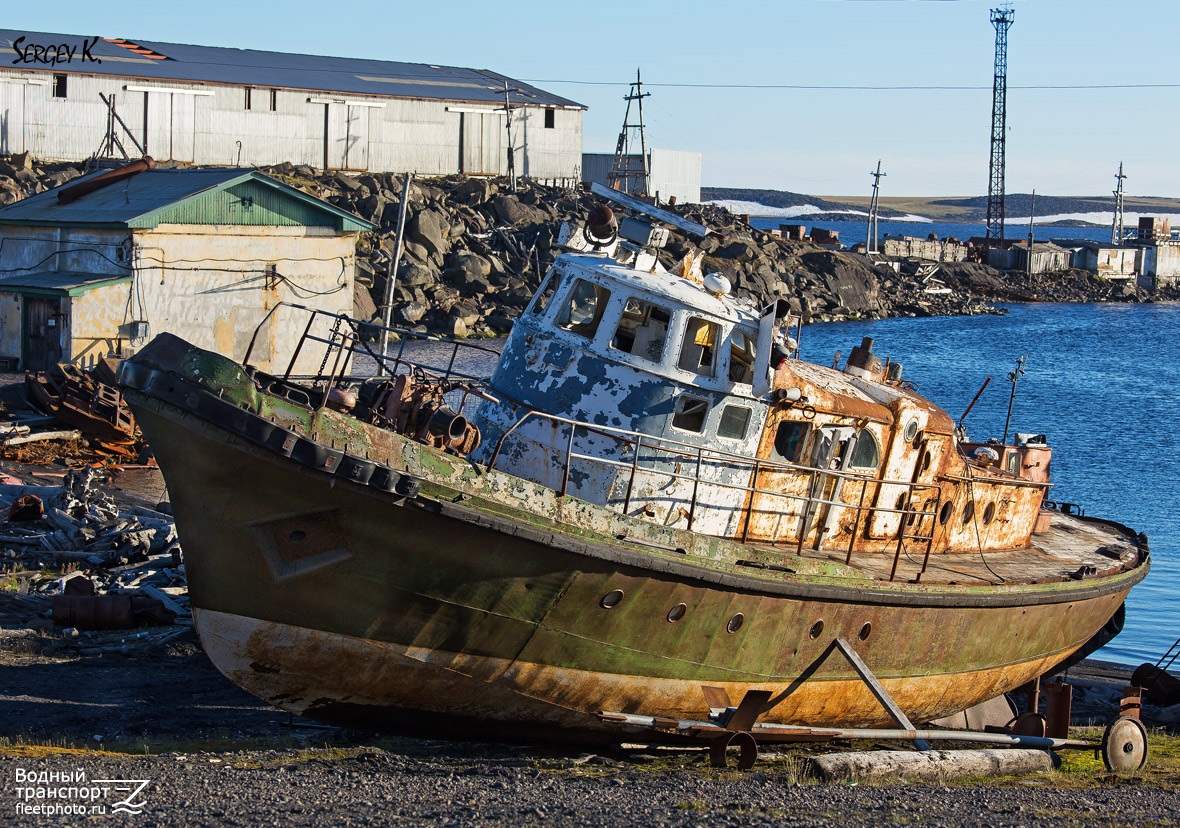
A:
59,283
223,196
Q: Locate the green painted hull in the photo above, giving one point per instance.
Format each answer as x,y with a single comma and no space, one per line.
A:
459,610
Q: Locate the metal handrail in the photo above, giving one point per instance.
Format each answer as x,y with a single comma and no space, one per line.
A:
350,342
346,336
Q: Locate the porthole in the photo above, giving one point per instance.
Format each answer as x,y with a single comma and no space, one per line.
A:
968,511
297,536
816,629
989,513
911,430
944,514
611,599
677,612
735,623
866,629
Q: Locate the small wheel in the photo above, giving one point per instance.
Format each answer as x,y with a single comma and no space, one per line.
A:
1124,745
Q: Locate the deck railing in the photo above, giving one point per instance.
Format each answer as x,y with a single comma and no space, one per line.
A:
347,342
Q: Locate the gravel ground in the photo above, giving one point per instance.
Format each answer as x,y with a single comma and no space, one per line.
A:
446,784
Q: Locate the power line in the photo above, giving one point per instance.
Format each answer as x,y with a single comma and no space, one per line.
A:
863,87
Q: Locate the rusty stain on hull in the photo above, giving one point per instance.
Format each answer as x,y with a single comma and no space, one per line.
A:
360,550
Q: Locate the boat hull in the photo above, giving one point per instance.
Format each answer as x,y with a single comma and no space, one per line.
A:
355,606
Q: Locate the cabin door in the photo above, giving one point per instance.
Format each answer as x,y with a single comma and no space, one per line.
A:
45,325
832,451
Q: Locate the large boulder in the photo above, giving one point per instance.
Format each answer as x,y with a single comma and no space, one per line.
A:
432,230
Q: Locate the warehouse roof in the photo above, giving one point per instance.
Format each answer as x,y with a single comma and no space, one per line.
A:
178,62
146,199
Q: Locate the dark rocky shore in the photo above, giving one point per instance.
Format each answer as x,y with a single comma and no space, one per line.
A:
475,251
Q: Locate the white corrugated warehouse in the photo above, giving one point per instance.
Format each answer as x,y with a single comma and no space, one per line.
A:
671,173
213,105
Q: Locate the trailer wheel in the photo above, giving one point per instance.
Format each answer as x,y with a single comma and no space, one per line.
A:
1124,745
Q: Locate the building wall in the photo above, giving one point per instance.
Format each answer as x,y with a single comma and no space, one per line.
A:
207,284
96,324
672,173
214,124
676,174
934,250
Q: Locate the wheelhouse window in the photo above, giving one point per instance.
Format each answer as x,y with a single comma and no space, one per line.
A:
690,414
788,441
741,356
698,353
642,330
584,307
543,295
865,454
735,421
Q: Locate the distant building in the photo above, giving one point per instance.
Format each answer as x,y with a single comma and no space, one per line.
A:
674,174
930,249
216,106
1108,261
100,265
1159,262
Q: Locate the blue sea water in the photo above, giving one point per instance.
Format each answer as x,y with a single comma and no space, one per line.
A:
1100,381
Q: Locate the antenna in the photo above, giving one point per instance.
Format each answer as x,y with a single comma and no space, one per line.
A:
1013,377
1116,230
871,241
1002,19
627,173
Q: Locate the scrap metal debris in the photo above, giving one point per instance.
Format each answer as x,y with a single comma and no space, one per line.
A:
89,566
89,402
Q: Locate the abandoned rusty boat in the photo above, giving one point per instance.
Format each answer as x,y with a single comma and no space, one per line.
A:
653,498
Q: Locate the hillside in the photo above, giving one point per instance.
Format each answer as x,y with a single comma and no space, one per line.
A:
943,208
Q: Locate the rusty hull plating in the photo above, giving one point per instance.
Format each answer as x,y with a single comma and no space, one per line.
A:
650,494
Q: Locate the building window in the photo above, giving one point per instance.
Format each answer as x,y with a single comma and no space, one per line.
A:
550,118
274,100
249,98
59,86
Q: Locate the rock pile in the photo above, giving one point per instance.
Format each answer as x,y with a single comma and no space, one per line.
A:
475,250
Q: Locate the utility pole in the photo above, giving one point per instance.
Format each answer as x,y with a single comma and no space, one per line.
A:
508,128
1116,230
871,241
1002,19
1032,211
625,174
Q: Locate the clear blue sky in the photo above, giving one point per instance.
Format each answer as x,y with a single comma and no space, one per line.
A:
695,56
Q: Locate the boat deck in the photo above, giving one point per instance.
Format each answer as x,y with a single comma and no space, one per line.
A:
1072,548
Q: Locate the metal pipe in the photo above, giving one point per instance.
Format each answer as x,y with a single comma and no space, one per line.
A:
391,273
